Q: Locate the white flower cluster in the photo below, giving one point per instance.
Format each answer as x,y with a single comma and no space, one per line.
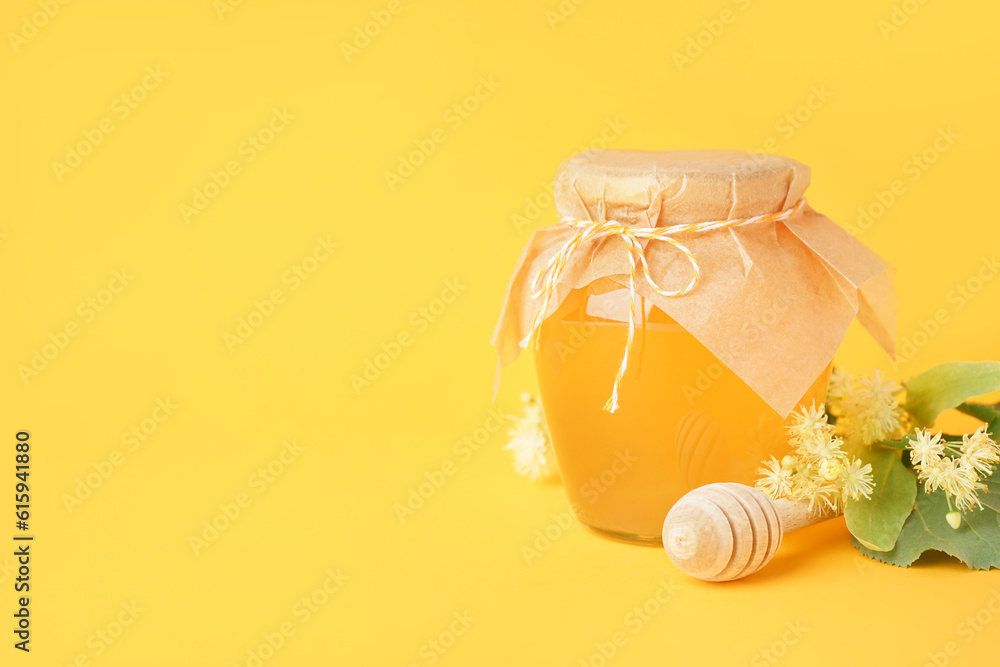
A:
530,443
866,408
955,468
819,470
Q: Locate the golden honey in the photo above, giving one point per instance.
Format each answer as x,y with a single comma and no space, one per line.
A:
685,418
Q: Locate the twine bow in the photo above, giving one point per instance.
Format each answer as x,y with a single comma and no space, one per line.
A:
632,236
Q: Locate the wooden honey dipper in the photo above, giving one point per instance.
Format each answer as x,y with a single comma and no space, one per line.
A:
725,531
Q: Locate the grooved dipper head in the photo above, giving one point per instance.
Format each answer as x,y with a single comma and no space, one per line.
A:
721,532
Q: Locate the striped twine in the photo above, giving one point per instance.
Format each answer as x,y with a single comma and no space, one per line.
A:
592,231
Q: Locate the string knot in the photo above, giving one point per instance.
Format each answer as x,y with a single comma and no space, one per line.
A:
543,286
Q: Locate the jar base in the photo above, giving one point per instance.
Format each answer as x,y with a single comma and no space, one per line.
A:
647,540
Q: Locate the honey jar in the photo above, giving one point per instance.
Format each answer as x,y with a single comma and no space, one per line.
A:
683,306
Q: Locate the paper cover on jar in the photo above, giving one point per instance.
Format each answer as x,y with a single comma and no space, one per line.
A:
773,300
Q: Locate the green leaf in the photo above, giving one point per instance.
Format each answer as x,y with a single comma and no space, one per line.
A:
990,496
976,542
946,386
876,522
982,412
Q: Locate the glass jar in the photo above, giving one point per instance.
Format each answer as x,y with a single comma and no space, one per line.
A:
686,303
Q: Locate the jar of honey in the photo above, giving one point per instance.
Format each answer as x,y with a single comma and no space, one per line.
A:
684,305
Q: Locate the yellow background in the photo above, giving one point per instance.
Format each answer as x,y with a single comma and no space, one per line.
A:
559,85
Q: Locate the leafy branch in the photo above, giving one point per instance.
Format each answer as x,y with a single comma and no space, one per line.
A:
902,520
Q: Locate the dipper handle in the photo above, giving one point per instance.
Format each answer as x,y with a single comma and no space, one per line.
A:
725,531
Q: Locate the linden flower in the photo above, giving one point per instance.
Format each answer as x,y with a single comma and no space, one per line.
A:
925,449
819,471
954,468
870,412
821,494
980,452
776,479
829,469
958,480
856,479
877,387
840,389
823,445
807,423
530,444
